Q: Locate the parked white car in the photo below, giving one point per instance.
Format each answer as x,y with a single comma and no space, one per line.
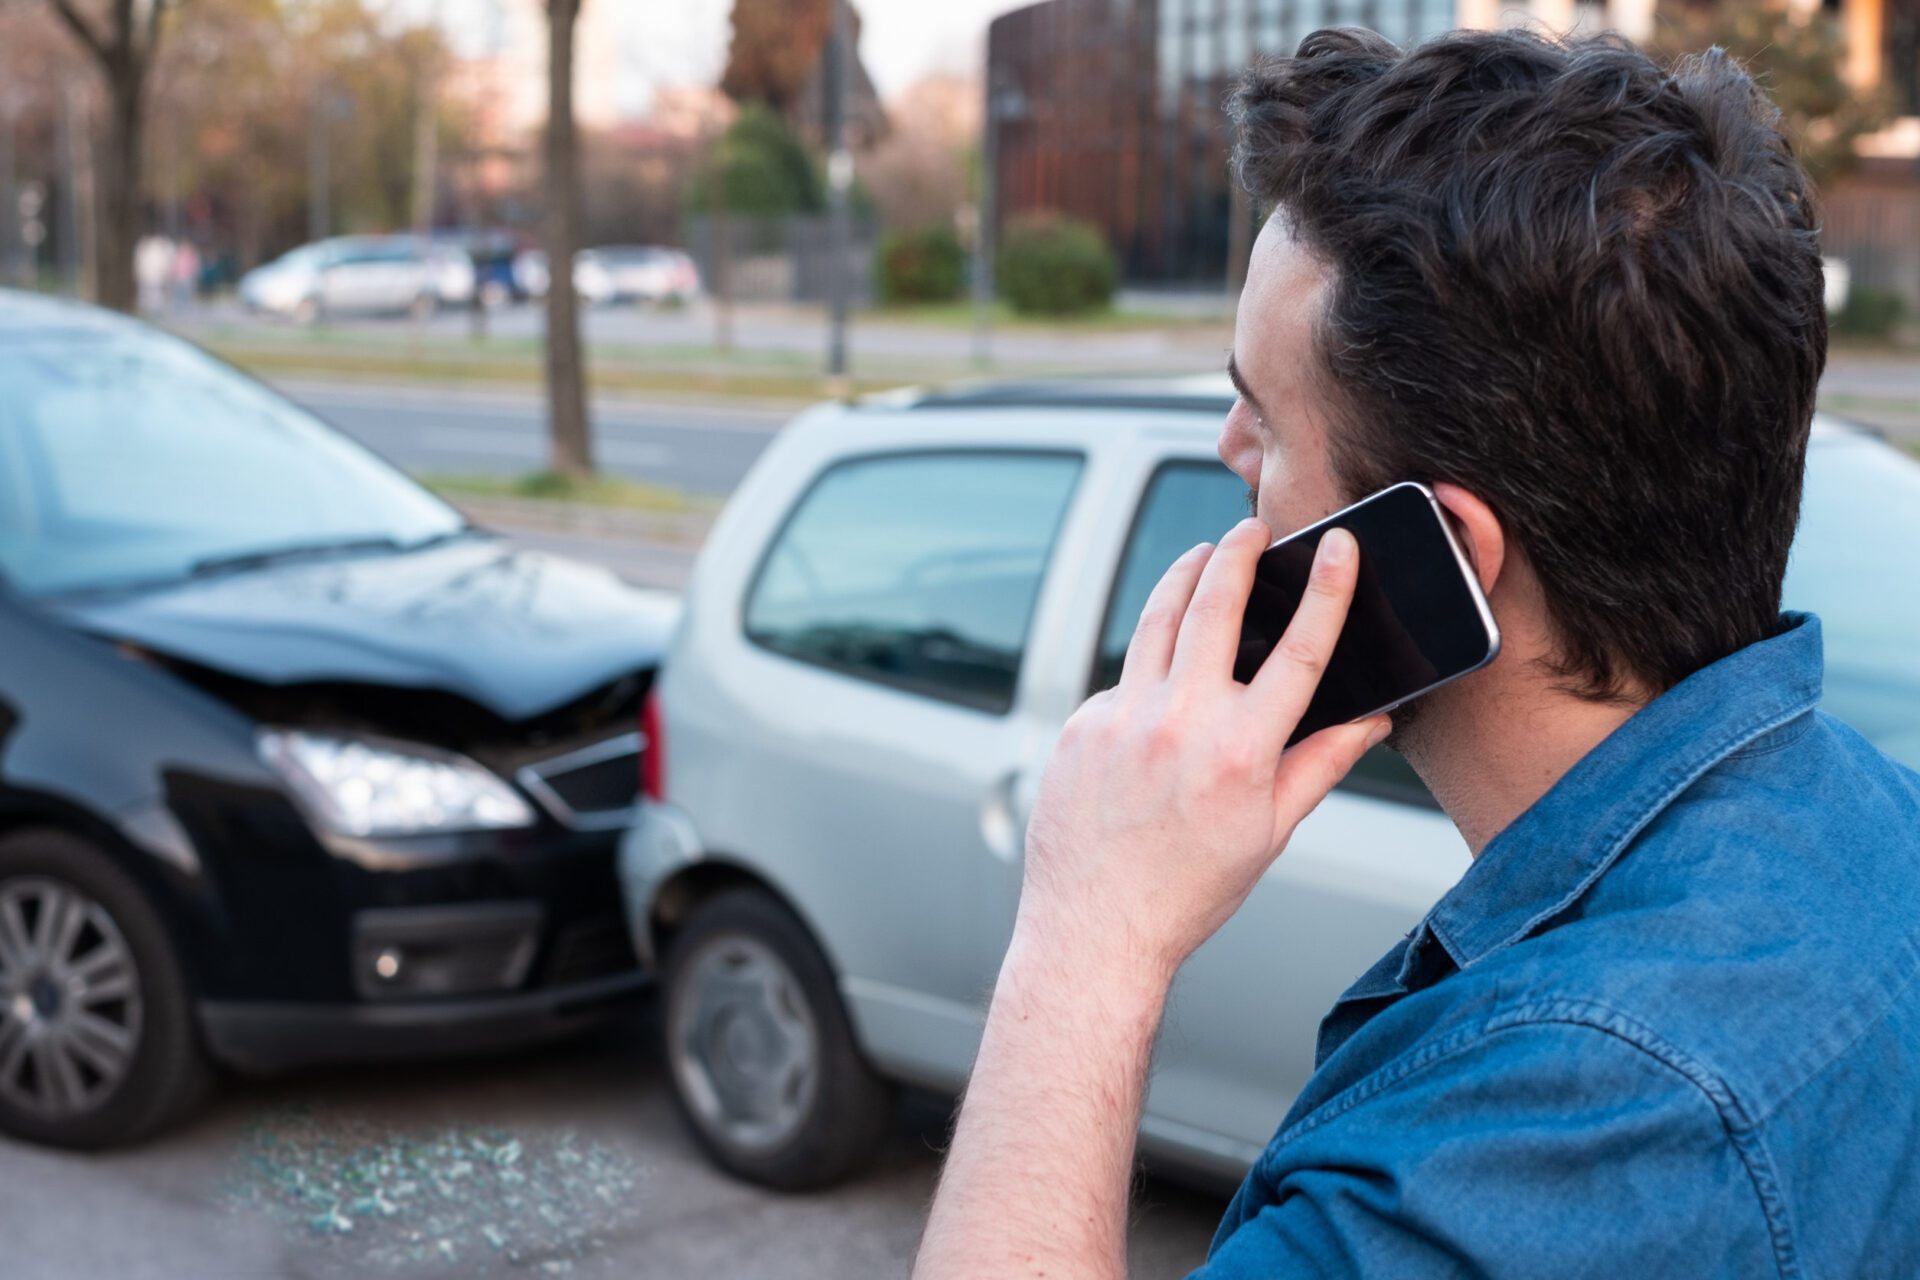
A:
644,273
887,628
360,275
634,273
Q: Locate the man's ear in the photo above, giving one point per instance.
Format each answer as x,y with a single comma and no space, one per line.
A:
1478,529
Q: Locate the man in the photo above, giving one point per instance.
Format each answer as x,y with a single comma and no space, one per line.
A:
1668,1023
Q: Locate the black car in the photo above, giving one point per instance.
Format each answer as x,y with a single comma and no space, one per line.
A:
295,764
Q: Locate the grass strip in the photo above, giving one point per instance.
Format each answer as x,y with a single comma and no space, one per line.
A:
551,486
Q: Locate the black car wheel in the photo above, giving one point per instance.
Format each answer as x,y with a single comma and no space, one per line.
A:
762,1057
97,1043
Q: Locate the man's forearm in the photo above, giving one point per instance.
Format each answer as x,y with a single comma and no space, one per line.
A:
1038,1178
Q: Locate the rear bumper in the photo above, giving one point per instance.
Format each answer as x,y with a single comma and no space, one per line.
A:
661,841
266,1037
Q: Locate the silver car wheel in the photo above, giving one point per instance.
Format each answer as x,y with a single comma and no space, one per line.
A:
70,1004
743,1045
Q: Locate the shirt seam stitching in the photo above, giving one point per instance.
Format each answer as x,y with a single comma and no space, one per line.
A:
1753,751
1743,1132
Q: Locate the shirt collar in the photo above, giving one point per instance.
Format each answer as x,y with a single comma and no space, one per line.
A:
1548,856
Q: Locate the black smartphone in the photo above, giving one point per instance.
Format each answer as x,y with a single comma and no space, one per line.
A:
1418,618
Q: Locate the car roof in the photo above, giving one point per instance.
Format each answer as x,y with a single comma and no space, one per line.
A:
1189,393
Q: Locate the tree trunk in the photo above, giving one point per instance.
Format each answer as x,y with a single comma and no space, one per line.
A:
570,445
117,217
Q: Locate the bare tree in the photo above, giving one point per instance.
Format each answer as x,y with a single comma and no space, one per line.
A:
124,52
569,442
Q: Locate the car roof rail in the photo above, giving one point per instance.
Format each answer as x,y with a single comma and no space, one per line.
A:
1204,393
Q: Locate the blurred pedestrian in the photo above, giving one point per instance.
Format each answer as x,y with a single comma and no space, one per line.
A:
183,275
152,268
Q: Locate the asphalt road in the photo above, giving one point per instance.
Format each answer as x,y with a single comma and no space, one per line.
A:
563,1161
702,448
706,447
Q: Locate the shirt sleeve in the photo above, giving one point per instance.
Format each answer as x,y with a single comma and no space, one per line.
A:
1541,1149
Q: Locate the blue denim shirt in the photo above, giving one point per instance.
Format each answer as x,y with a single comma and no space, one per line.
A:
1667,1024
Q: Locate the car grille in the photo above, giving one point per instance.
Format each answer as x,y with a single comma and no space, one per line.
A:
592,787
598,947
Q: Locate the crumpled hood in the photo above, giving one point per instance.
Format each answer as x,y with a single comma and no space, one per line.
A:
517,632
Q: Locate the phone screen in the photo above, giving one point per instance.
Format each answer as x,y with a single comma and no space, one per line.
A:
1417,620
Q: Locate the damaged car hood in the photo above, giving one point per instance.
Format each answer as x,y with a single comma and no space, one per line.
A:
515,631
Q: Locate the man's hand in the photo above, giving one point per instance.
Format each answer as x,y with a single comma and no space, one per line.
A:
1165,799
1168,795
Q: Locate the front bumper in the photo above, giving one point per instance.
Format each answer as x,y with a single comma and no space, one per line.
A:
265,1037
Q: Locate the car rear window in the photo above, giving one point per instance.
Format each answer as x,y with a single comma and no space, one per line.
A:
916,570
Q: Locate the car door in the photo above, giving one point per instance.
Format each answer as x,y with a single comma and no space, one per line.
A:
1238,1038
351,281
883,639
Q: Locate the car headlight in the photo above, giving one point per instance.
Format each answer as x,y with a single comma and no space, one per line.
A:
374,787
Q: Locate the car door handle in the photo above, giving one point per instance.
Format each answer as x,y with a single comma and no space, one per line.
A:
1003,816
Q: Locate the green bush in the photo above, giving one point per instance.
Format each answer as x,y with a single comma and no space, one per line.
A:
1869,313
760,167
920,266
1055,266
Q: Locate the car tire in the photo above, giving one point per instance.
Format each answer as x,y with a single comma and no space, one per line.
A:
64,1082
743,984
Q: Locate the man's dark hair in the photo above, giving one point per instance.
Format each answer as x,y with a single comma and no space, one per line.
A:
1581,287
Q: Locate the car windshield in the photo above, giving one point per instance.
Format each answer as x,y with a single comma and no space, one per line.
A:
131,458
306,256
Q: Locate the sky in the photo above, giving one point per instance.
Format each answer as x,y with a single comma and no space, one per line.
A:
685,41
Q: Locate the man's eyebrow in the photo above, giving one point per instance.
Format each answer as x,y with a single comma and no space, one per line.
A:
1240,385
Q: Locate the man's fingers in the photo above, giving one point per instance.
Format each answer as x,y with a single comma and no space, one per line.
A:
1286,680
1150,651
1210,632
1310,769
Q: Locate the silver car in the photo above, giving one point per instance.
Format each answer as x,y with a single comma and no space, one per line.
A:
889,624
360,275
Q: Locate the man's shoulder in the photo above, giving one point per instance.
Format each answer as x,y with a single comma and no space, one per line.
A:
1761,925
1750,937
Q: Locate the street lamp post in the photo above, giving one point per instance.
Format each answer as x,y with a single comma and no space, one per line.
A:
839,181
319,180
983,237
9,191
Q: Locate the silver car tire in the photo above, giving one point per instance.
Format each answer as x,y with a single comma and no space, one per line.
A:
98,1045
759,1050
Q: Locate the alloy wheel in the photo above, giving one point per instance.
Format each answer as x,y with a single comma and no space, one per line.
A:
70,1006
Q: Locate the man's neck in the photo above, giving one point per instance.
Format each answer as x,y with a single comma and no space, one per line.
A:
1487,750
